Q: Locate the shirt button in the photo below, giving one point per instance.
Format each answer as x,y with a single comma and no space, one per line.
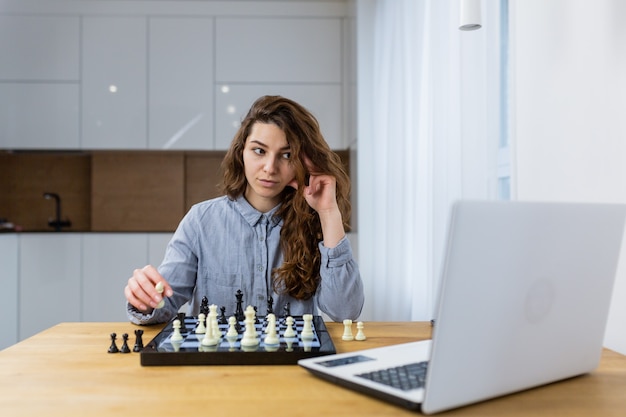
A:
260,268
261,238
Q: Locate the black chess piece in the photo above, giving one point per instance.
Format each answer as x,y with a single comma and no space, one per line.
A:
204,306
222,319
256,316
287,310
181,317
239,311
270,305
113,348
138,340
125,348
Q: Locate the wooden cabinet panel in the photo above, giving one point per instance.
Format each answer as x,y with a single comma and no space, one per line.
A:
141,191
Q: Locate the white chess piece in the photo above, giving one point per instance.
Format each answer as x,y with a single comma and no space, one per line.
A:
159,288
176,336
289,331
360,335
249,335
307,329
232,327
271,338
201,329
347,330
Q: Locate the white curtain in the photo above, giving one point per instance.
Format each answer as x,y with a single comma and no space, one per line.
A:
425,89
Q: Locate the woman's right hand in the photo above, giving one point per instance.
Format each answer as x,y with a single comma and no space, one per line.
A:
140,291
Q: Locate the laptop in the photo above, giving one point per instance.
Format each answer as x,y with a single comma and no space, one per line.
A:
524,299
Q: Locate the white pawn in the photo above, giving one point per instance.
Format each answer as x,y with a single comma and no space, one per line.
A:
159,288
289,331
271,338
359,333
201,329
347,330
176,336
307,329
232,327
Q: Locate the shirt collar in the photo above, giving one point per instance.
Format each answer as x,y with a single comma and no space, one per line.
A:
252,215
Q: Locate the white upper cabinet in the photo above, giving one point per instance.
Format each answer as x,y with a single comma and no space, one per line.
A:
39,82
114,83
181,73
284,50
39,48
39,115
233,101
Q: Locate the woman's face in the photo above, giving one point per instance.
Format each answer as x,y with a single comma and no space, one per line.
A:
267,164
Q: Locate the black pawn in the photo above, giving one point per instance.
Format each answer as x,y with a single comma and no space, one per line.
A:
113,348
138,340
125,348
222,319
287,310
204,306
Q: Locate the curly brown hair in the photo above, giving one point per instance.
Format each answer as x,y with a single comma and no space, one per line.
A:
298,276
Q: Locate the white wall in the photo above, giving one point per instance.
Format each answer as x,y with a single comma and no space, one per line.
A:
569,103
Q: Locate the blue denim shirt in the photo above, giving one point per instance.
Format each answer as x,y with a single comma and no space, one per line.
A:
224,245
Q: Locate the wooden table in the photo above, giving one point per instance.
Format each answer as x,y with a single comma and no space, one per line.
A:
66,371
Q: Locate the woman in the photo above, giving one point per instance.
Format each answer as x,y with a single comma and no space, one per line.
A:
278,234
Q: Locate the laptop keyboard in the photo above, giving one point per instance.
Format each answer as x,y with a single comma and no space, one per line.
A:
405,377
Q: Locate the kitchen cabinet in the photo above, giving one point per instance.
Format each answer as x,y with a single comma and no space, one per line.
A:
49,280
114,82
232,102
180,107
8,295
108,261
39,48
304,64
296,50
39,116
39,88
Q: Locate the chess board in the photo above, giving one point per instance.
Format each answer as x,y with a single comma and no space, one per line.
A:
163,351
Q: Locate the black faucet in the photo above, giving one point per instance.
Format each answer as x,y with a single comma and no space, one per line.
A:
56,223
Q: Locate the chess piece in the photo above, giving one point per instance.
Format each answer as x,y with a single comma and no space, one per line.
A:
287,310
222,319
360,335
201,329
249,335
113,348
125,348
271,338
239,309
159,288
270,305
204,306
289,331
210,337
181,317
138,340
307,329
347,330
232,327
176,336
